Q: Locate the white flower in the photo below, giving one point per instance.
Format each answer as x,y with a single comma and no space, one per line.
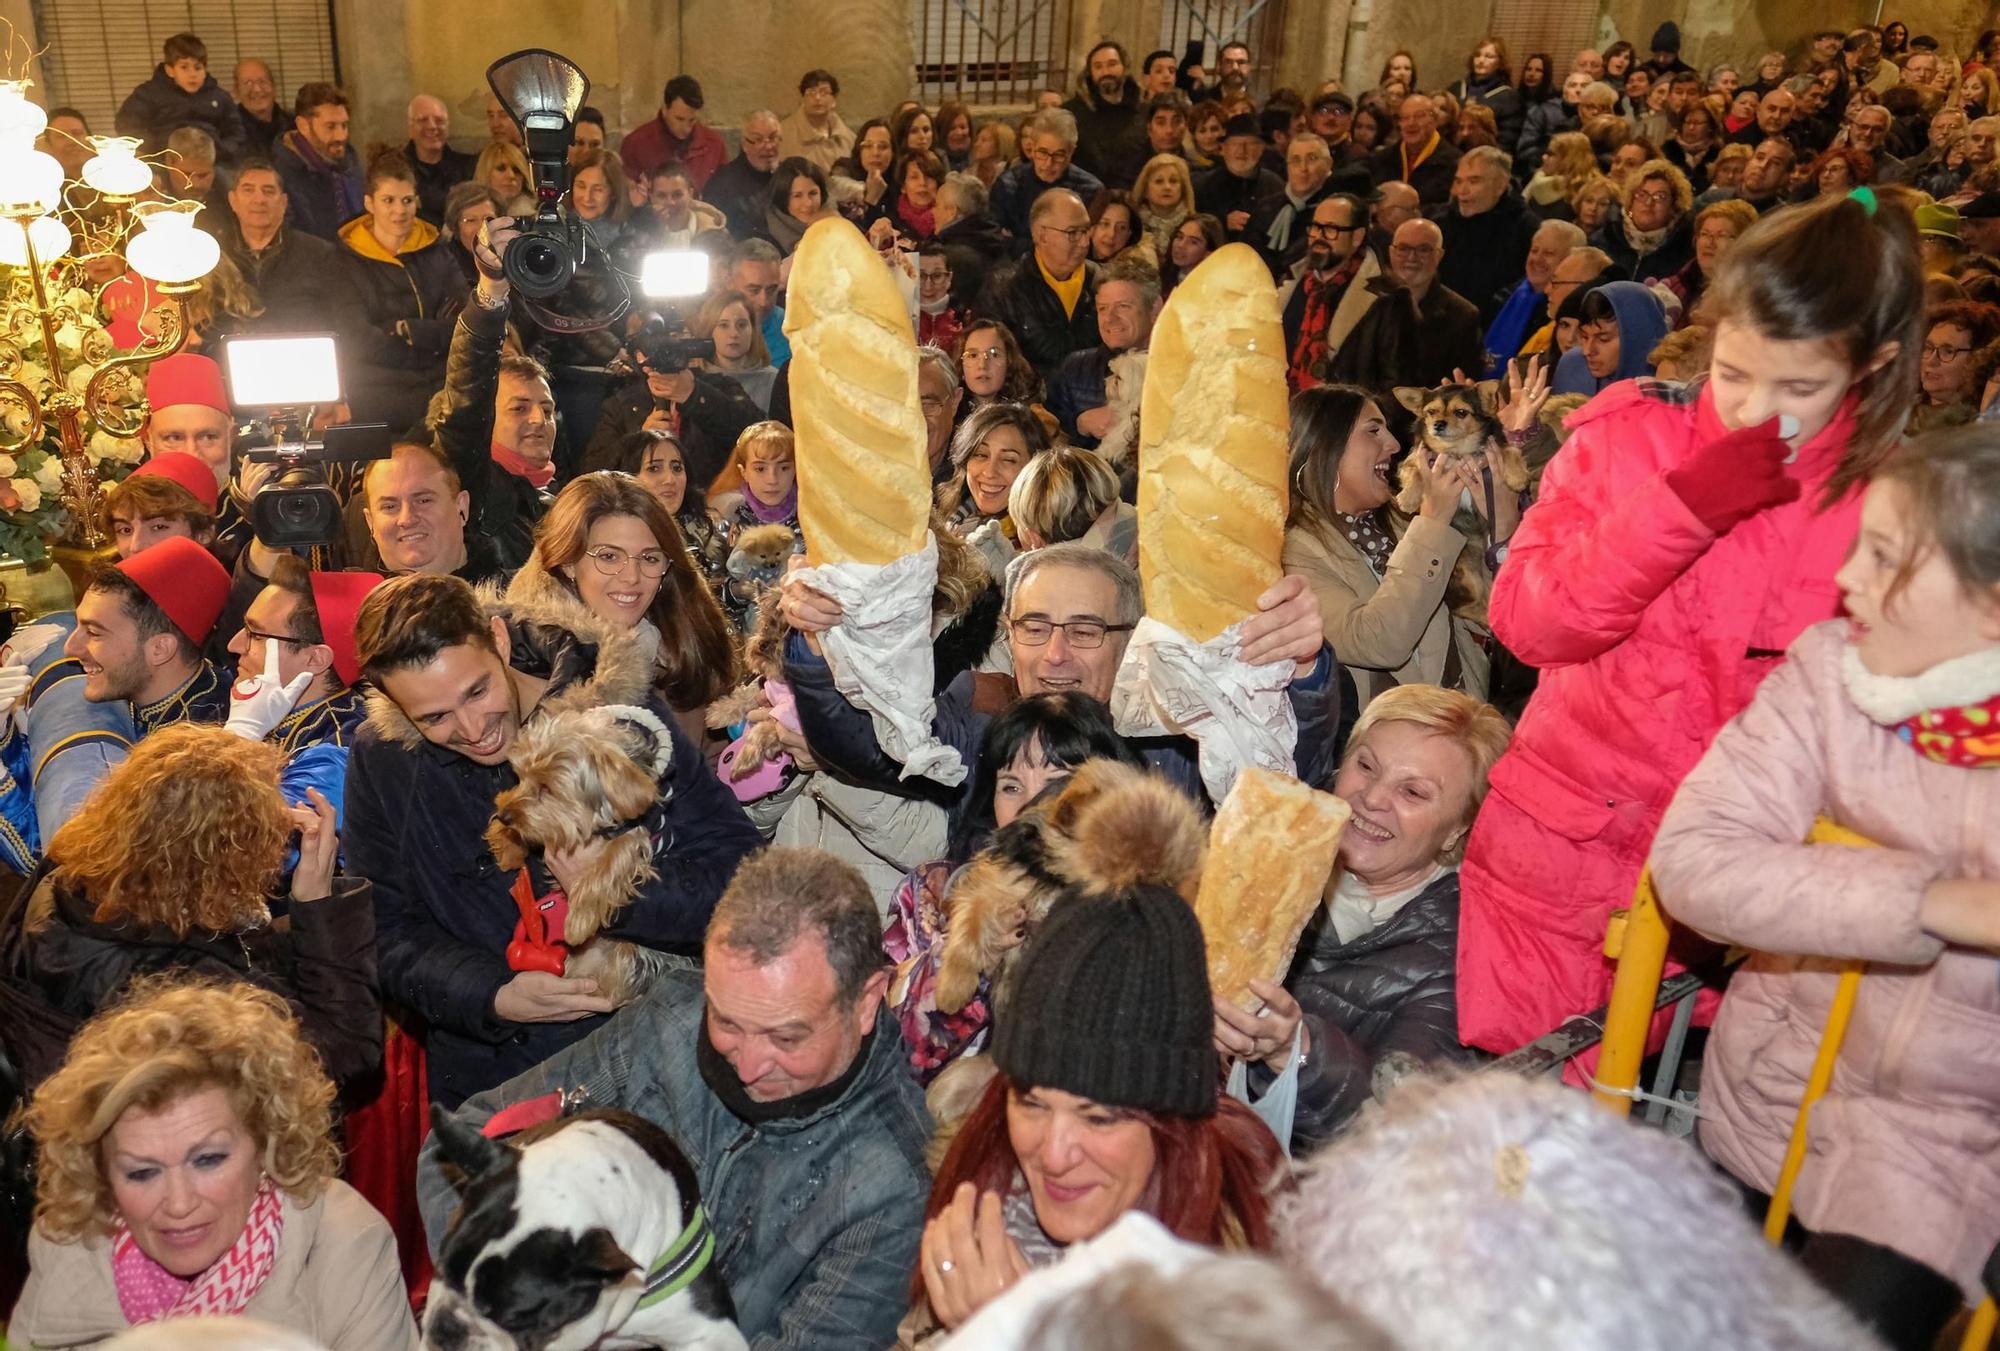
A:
50,474
7,466
79,377
124,450
30,493
35,376
69,340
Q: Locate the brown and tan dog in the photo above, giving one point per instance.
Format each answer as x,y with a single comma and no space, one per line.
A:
1460,422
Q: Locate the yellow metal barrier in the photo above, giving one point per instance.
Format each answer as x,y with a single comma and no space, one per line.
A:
1979,1331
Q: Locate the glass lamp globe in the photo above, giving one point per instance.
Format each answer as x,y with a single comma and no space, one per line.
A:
50,237
168,248
19,117
30,180
116,169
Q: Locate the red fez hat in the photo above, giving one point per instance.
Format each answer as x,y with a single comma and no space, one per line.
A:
190,471
186,377
185,581
337,597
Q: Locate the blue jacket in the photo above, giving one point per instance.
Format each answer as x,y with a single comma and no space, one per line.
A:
444,914
817,1218
1077,387
1642,322
842,737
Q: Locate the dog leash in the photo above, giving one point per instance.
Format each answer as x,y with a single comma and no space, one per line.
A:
683,1261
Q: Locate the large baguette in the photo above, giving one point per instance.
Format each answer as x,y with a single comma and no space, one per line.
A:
1270,853
1212,447
863,455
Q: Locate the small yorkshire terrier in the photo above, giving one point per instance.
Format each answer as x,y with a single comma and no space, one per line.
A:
591,774
1460,421
1109,827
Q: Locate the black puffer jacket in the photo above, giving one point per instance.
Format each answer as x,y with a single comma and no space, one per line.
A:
505,507
1025,303
159,107
1378,1006
390,376
1107,134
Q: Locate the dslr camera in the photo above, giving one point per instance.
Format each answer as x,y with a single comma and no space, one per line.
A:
299,508
663,347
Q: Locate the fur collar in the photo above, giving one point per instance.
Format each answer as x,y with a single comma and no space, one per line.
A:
589,663
1889,700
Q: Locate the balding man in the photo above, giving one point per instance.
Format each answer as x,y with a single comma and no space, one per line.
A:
1049,298
1774,117
1420,155
738,188
1418,330
257,101
438,166
1394,203
1527,307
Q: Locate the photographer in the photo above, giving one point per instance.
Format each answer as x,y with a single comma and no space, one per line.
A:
703,409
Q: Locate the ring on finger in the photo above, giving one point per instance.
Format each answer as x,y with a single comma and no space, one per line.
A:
945,1264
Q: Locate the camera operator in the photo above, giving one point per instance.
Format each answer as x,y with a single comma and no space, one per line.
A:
704,409
496,423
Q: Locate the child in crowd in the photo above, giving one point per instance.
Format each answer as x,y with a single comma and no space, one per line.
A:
1684,537
1888,723
757,488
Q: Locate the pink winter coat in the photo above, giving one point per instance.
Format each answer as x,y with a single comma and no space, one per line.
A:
1642,622
1904,1150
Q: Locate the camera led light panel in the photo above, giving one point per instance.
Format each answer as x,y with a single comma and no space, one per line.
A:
288,372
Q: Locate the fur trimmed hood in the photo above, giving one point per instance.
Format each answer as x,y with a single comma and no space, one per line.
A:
587,662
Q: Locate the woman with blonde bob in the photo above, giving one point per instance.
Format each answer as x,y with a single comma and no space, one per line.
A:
186,1168
171,864
1067,493
1372,994
504,169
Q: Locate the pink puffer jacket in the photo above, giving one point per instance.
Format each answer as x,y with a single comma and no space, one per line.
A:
1904,1150
1643,623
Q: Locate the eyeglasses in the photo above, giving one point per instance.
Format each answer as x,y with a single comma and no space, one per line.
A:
263,637
1715,237
1080,633
1414,250
983,353
611,562
1051,156
1945,355
1076,234
932,405
1661,197
1317,230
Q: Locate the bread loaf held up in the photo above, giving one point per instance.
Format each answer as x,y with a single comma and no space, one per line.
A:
862,450
1213,433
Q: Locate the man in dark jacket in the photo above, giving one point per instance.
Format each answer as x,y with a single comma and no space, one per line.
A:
712,408
1487,230
322,178
181,93
264,118
1665,62
1070,591
1417,330
1166,134
1545,119
1420,155
1277,228
1048,149
456,682
1128,302
1234,189
741,188
1048,298
1110,117
973,241
291,271
780,1075
437,166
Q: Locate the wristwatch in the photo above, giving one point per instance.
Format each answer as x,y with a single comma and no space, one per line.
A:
481,299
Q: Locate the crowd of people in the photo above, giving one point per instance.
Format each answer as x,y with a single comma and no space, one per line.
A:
1644,507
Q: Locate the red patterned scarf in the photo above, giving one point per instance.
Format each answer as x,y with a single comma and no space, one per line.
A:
148,1292
1321,299
1967,736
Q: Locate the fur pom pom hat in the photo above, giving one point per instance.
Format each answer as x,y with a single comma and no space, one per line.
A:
1111,1002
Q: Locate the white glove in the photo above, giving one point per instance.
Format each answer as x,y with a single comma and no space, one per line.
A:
14,681
259,703
29,643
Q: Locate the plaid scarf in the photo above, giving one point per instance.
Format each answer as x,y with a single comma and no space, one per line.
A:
148,1292
1322,297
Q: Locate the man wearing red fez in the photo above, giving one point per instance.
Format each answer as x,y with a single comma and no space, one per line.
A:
296,668
190,411
171,495
140,628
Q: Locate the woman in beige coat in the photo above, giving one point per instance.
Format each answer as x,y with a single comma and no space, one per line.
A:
1381,594
186,1168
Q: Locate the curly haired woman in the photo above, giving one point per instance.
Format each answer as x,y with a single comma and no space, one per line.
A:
172,865
186,1168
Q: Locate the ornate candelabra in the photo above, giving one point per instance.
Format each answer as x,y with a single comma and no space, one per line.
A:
88,380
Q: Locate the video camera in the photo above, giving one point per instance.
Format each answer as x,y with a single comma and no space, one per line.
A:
292,376
663,348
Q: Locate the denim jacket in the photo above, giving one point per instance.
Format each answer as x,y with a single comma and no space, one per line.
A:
817,1219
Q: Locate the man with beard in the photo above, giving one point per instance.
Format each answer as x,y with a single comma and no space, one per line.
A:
1109,114
1234,189
322,180
1487,229
438,167
1337,259
739,188
1232,80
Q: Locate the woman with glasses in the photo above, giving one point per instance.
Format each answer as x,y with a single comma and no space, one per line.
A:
609,547
1653,236
992,369
1949,380
1716,230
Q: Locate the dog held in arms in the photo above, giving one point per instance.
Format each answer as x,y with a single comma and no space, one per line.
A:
582,1231
1460,421
585,776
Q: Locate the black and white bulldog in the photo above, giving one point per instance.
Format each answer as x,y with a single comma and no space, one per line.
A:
584,1231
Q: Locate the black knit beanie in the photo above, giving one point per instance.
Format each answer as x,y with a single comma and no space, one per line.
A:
1111,1002
1667,38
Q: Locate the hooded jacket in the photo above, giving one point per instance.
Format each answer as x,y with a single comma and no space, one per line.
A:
416,822
1642,322
1650,632
817,1217
417,288
1108,135
335,1282
1540,125
159,107
1904,1149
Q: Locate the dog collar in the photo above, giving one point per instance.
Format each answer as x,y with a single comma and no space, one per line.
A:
684,1260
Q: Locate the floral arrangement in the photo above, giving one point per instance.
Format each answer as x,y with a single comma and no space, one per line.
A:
31,507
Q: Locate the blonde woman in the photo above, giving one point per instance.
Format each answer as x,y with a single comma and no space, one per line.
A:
1165,194
728,319
186,1168
1067,493
1590,202
1568,162
503,168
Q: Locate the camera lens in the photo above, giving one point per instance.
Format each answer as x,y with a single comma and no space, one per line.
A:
539,265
